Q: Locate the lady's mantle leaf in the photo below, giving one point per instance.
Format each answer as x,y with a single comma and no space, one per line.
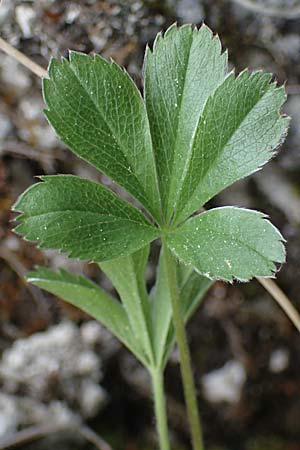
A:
183,70
84,294
81,218
226,243
238,131
98,112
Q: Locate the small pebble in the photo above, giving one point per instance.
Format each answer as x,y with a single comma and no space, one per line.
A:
14,75
279,360
6,11
25,16
5,127
189,11
72,13
225,384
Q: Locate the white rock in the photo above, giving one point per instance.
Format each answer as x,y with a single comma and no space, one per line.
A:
87,363
289,45
98,41
30,366
14,75
25,16
284,196
13,360
292,107
43,135
47,3
9,415
6,11
5,127
58,353
56,259
60,414
12,242
22,411
31,107
91,332
91,398
190,11
225,384
279,360
72,12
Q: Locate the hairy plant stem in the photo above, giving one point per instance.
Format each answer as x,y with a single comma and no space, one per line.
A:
184,352
160,408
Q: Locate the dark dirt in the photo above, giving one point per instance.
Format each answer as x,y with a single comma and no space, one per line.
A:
240,323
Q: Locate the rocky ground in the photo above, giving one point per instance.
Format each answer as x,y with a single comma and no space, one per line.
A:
246,353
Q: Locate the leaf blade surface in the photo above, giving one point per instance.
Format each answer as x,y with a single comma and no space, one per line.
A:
239,129
127,274
96,109
181,72
82,218
227,243
86,295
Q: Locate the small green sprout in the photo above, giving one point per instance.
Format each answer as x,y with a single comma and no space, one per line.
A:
197,130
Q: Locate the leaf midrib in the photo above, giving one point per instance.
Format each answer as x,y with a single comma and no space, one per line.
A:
172,208
72,283
178,117
121,147
243,243
215,161
25,216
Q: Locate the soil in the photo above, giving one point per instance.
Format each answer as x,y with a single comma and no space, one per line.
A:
239,323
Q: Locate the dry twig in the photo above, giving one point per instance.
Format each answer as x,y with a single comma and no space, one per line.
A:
293,89
22,59
37,432
25,436
24,150
288,12
282,300
15,264
93,438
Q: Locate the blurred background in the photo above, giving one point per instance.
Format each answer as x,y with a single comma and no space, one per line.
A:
57,366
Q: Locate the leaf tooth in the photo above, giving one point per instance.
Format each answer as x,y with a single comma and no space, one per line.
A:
74,54
157,40
171,29
52,67
206,29
64,62
169,32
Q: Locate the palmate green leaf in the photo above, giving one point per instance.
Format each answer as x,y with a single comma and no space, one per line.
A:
227,243
238,131
127,274
199,131
97,110
86,295
181,72
81,218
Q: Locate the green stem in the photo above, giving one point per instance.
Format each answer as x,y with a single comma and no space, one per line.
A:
184,352
160,408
